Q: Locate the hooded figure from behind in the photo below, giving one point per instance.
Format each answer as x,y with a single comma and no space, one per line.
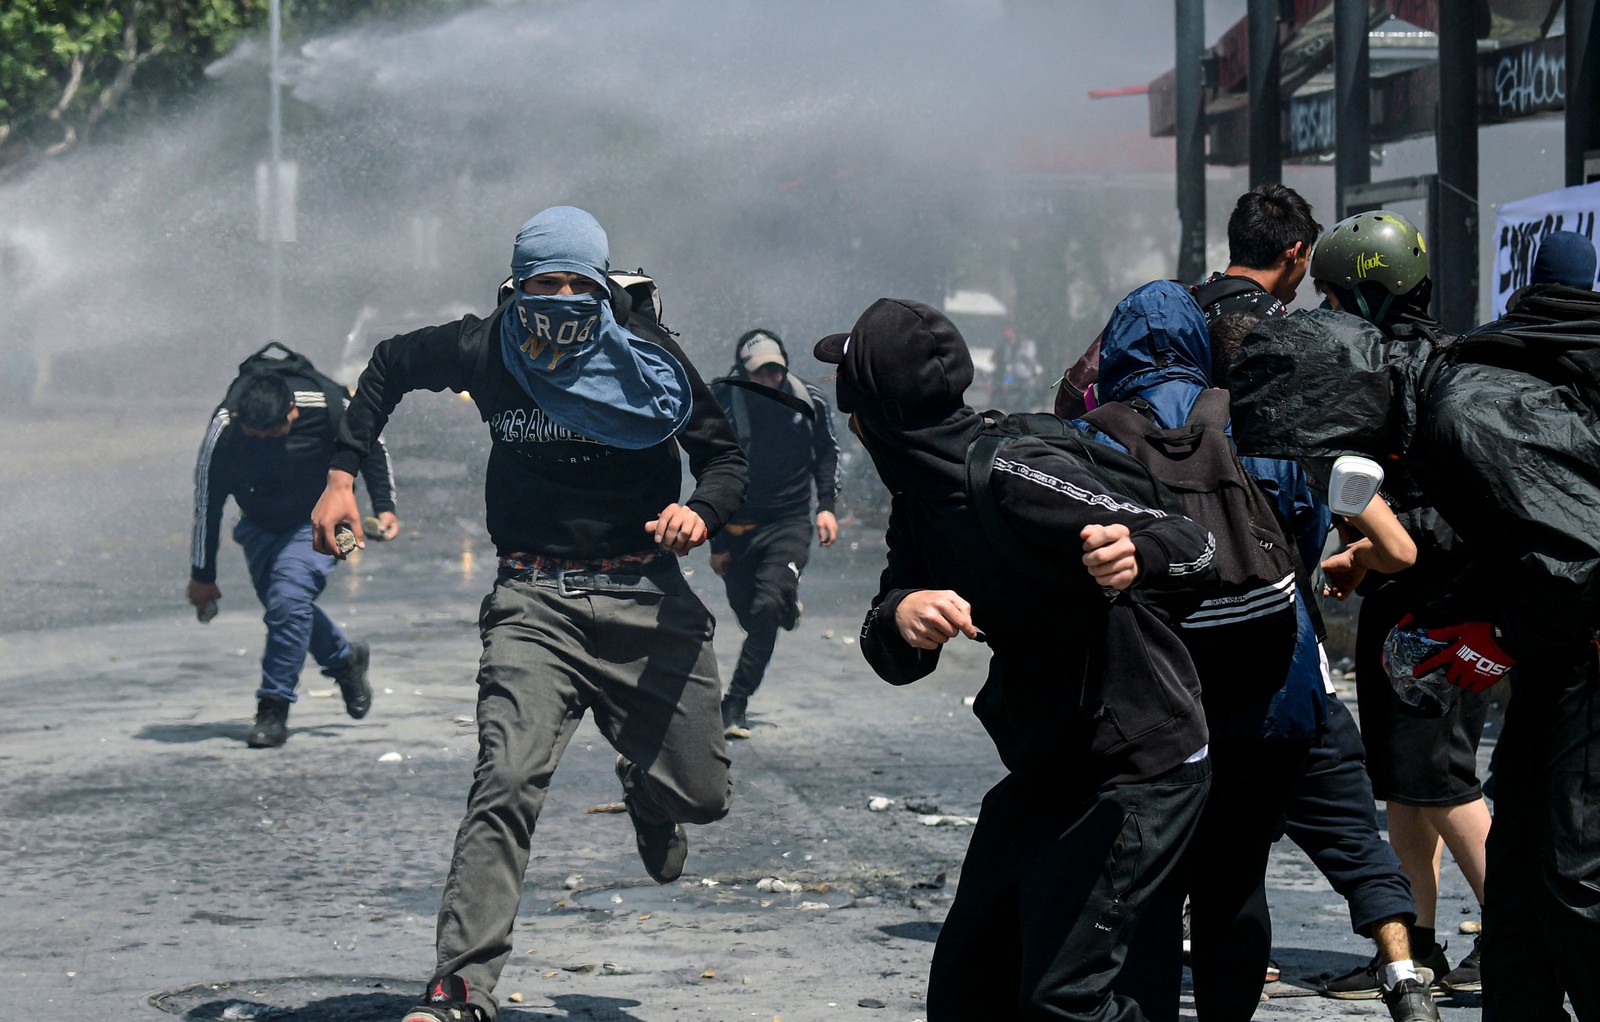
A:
1500,432
1091,699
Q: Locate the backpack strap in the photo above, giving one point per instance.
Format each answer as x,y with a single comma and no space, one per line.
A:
741,417
797,387
981,454
1212,410
1213,291
1122,423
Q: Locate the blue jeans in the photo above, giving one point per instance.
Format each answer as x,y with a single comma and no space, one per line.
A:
288,576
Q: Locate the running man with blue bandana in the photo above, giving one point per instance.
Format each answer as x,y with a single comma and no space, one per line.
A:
589,403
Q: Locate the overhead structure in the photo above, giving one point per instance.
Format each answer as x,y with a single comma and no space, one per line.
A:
1313,81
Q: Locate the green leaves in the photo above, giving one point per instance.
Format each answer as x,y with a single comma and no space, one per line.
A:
64,66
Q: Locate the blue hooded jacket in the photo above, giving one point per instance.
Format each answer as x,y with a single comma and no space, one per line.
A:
1157,347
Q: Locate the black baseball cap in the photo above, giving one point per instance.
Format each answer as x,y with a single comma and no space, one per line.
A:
902,355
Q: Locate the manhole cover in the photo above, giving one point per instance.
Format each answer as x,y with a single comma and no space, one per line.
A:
297,998
696,897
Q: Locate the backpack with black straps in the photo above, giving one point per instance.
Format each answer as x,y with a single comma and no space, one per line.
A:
276,359
1242,637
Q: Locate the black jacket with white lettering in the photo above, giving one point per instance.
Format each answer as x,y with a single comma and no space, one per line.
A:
1090,686
276,481
549,490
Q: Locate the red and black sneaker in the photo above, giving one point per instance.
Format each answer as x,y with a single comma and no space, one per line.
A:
445,1000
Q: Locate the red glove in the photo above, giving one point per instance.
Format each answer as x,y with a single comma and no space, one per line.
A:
1473,660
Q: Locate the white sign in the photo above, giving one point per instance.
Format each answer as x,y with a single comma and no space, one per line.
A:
1519,227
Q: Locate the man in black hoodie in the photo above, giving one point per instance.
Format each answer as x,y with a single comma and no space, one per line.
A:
1091,700
1497,433
590,406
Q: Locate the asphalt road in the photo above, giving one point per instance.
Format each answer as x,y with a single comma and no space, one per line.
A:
152,866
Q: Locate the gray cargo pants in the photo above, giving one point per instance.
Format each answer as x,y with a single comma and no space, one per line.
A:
634,646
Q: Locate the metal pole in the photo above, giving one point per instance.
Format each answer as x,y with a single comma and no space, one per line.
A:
274,170
1583,78
1352,100
1191,169
1266,104
1455,245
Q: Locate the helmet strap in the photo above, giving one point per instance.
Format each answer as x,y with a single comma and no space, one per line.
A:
1366,313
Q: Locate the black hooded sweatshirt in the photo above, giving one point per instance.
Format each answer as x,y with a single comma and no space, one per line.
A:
1086,684
1086,687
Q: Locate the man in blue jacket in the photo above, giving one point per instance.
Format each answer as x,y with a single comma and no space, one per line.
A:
1289,763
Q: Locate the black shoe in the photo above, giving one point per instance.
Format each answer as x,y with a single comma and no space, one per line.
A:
1409,1000
352,679
663,847
733,723
272,724
1466,978
791,616
1433,962
445,1000
1359,984
1363,984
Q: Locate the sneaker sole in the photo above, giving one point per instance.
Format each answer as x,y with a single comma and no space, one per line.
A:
1352,995
1473,987
736,732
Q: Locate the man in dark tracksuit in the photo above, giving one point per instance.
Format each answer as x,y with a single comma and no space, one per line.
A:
1091,699
589,403
269,450
785,427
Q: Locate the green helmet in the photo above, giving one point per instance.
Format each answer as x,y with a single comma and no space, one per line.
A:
1381,246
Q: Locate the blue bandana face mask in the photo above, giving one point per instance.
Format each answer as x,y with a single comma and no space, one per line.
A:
557,326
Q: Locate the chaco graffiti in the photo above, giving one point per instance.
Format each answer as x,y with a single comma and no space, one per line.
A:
1528,80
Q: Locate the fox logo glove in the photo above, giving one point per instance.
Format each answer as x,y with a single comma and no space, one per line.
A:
1473,660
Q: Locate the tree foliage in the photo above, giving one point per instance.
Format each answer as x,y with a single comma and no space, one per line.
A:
65,66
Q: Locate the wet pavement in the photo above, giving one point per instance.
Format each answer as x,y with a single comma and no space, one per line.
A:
152,866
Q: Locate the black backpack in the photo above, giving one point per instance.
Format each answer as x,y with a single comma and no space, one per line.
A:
1242,637
1120,472
275,358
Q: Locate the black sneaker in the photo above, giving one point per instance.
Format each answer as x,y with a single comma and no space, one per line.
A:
1409,999
352,679
734,724
791,616
1362,984
445,1000
271,728
663,847
1466,978
1359,984
1434,963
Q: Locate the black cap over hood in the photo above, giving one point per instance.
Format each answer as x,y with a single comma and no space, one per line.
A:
1323,383
904,369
